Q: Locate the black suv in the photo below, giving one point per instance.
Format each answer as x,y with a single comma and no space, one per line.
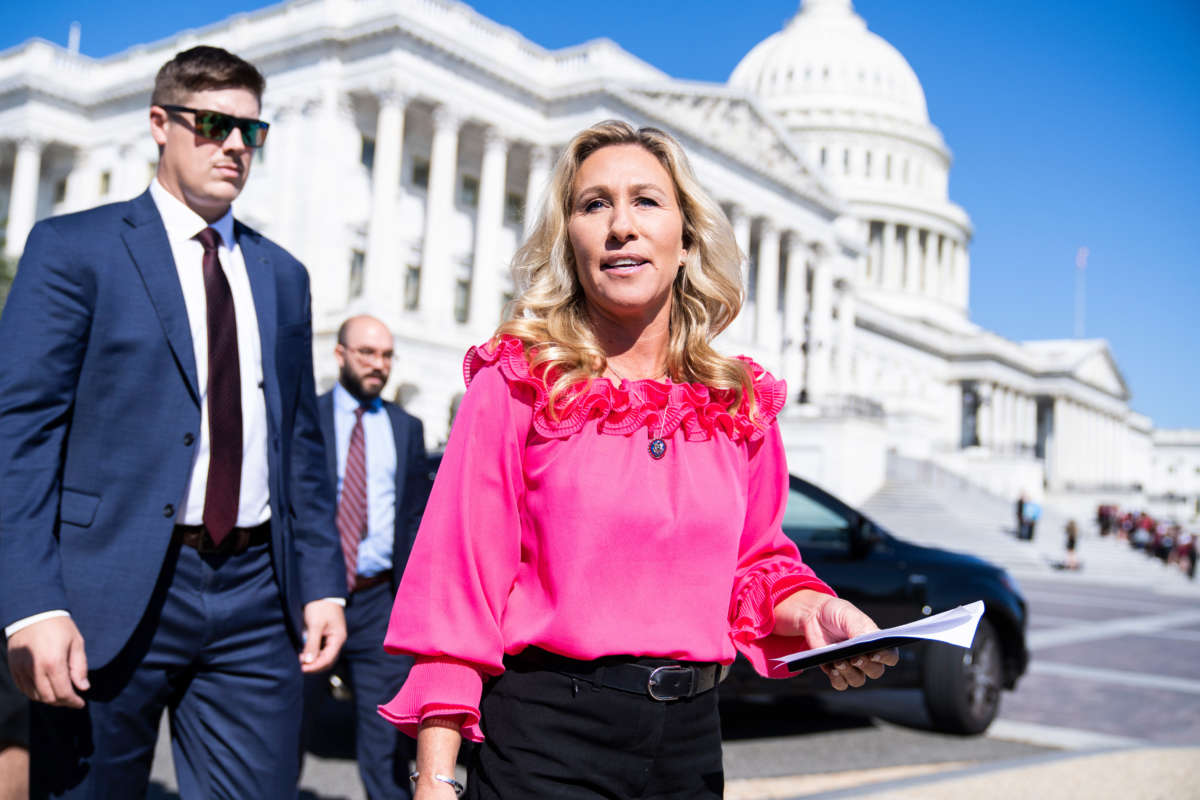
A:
896,582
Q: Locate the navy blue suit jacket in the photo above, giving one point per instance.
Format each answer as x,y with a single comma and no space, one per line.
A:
100,413
412,474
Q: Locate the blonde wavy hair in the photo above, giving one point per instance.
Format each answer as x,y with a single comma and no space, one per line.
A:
549,314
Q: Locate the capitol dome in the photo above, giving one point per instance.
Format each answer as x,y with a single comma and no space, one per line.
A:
827,60
856,110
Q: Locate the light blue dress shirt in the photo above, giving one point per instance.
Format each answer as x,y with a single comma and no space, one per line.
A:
375,550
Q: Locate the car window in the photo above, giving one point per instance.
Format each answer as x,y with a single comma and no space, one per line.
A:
807,522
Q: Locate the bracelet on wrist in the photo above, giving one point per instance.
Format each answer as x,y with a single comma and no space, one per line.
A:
446,779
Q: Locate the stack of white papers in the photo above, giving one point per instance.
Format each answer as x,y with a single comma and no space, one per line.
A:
956,627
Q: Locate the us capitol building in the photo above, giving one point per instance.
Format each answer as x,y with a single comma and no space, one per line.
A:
411,141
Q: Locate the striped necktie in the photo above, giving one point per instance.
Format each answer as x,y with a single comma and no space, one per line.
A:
352,506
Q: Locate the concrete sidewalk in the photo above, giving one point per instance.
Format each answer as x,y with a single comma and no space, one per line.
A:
1128,774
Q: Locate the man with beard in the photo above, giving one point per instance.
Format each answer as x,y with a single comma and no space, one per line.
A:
377,459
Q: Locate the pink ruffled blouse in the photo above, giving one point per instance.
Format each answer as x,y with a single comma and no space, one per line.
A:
565,534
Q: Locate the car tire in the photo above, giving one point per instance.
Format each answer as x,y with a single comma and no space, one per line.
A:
962,685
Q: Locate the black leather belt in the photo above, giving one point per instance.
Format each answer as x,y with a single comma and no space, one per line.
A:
238,540
657,678
362,582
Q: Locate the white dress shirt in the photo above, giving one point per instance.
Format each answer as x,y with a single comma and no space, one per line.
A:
182,225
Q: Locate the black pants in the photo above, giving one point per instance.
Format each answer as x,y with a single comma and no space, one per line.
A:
548,735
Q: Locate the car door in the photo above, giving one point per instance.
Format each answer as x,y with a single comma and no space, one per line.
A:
853,557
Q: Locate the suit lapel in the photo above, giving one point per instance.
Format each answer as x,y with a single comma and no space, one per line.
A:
400,435
146,240
262,285
329,433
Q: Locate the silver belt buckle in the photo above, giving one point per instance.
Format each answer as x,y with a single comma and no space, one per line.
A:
652,689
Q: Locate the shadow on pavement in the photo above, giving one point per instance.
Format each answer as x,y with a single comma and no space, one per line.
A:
823,713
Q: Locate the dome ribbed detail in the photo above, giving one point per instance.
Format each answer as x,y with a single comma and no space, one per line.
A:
825,60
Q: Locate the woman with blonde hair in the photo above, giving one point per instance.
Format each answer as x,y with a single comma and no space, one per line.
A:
604,534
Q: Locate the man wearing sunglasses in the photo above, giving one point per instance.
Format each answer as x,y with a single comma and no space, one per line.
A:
167,535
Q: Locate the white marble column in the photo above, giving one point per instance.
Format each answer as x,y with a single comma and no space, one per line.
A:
83,184
1095,454
130,178
912,246
962,274
384,269
767,333
924,264
1055,451
1070,442
845,336
1012,438
486,284
330,130
1031,433
743,326
438,275
535,188
1116,433
1110,472
877,255
949,275
940,260
795,312
286,129
22,200
1018,423
983,415
888,263
1074,443
820,323
1003,417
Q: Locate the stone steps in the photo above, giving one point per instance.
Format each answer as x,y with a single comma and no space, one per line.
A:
970,520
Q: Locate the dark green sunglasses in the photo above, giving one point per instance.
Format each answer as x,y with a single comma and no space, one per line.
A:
217,126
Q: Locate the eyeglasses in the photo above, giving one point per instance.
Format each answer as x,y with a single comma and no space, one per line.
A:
371,354
217,126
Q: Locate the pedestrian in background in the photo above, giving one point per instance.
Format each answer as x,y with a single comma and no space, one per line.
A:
604,533
1072,533
375,453
1029,516
168,526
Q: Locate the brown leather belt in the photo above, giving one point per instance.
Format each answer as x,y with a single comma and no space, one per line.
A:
238,540
363,582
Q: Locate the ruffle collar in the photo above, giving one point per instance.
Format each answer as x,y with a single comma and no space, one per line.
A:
664,408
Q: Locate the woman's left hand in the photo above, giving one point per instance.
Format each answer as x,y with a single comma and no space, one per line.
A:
822,620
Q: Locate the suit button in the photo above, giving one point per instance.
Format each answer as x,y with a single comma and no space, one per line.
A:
168,510
188,439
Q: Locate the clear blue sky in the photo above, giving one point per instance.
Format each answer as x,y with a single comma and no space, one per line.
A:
1072,122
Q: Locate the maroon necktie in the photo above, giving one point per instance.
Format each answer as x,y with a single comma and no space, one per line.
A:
352,507
224,397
